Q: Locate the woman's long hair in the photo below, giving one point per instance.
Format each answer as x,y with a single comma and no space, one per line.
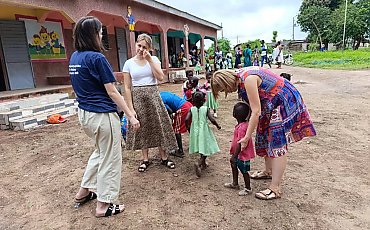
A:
224,80
86,34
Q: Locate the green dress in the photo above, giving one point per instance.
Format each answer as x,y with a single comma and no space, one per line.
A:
202,139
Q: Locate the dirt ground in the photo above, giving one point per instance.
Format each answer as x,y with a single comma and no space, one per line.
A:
326,184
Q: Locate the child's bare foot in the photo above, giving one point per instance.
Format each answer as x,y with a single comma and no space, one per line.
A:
245,192
203,166
198,170
231,185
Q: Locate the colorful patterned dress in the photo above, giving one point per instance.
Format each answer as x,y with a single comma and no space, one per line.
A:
284,116
201,138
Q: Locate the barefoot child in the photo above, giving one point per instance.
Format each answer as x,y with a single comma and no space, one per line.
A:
189,75
240,159
202,140
210,102
192,86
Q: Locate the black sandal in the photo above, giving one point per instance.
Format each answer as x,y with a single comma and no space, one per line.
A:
110,209
84,200
168,163
143,166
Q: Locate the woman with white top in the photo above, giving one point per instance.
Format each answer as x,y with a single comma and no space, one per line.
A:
141,75
278,54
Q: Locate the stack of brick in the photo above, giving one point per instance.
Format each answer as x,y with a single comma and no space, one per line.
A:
32,112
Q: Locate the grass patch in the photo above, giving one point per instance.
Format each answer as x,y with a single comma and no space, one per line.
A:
348,59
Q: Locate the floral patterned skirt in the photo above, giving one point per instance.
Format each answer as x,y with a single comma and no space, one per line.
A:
155,124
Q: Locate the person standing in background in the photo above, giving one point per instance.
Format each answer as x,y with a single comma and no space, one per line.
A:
247,53
263,52
238,56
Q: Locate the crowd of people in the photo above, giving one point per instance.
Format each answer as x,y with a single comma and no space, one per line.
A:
258,56
178,60
271,106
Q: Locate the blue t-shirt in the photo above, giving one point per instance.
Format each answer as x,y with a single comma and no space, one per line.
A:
89,71
172,101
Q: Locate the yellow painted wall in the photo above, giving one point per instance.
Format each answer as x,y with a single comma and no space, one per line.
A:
8,12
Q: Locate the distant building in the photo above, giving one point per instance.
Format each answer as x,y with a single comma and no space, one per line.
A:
297,45
36,36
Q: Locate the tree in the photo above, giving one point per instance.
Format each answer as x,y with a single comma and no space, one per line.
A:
223,44
324,20
357,23
315,19
364,7
274,35
331,4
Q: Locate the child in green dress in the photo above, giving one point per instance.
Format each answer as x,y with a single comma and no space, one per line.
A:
197,68
202,141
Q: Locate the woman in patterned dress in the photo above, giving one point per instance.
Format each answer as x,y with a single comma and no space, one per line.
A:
141,75
279,117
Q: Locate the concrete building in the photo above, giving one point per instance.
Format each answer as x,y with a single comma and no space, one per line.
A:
36,36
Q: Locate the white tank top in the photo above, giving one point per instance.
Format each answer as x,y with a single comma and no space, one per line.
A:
140,75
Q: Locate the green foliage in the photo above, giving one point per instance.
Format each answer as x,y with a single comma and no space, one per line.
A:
274,35
331,4
316,20
348,59
324,20
223,44
355,24
364,7
313,47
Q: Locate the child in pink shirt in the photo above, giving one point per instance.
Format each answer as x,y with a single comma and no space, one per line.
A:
240,158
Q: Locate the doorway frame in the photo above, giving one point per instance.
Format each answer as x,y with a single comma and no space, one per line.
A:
3,67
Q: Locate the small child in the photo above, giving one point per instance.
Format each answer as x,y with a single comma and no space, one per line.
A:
197,68
189,76
191,87
180,108
208,66
286,76
124,124
201,140
240,158
210,102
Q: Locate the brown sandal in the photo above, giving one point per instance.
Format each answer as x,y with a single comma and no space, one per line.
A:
267,194
260,175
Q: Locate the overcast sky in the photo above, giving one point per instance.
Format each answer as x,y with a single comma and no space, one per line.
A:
244,20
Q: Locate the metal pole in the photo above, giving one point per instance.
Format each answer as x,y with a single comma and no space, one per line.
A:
344,26
222,31
293,28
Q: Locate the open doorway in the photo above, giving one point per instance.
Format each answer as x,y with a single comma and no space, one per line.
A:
3,75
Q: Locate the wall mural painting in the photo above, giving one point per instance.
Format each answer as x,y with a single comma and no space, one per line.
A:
45,40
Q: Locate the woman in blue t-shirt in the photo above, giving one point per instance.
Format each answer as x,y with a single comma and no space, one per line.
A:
92,80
